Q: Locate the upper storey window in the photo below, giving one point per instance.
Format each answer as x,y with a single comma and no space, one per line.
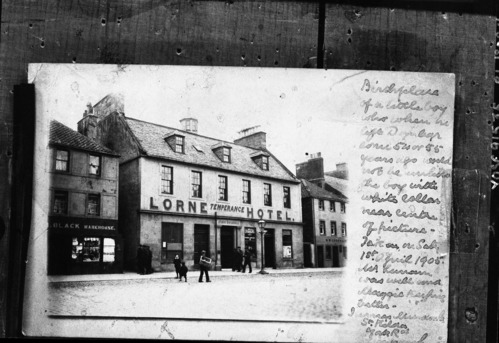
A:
223,152
176,142
94,165
261,158
62,160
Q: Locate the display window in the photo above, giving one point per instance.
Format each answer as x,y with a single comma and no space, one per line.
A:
287,244
109,250
86,249
250,238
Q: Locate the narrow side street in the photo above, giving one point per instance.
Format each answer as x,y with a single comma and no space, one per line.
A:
308,295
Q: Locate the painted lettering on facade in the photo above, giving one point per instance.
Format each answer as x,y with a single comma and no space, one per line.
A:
199,207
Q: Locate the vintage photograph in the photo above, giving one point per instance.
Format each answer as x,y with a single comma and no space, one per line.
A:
159,180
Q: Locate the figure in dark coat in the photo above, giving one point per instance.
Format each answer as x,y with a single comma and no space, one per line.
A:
183,272
240,257
140,260
176,262
247,259
203,269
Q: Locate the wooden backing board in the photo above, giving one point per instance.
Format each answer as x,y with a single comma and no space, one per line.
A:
278,34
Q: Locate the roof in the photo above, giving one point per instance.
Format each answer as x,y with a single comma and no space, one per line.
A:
310,190
198,150
63,136
337,183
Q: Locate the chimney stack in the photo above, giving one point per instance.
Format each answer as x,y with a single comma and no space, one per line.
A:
252,137
312,170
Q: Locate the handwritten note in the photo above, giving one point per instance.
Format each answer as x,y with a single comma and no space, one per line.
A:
402,197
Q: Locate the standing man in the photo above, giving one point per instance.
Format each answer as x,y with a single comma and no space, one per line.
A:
247,259
204,262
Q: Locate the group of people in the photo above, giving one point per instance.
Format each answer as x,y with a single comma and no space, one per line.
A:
181,269
242,259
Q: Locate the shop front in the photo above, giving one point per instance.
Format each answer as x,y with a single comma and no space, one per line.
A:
84,246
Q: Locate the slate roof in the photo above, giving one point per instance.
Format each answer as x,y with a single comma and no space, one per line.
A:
339,184
151,136
310,190
63,136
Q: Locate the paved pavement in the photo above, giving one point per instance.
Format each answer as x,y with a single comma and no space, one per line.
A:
305,295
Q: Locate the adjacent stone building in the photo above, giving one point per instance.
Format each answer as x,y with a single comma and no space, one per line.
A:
324,213
83,234
182,192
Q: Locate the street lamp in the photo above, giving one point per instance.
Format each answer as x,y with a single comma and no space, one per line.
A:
261,225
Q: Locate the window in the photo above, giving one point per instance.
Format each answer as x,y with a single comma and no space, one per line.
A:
287,197
179,144
62,160
197,190
287,244
108,252
61,202
333,228
93,205
246,191
222,187
322,227
321,205
265,162
342,208
332,206
94,165
226,154
166,180
86,249
250,239
267,194
343,229
328,252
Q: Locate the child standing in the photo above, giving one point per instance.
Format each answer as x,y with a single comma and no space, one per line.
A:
183,272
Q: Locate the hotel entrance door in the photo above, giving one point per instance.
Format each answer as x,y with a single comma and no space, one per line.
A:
269,248
226,246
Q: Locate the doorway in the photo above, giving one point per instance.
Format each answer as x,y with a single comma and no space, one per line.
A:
269,248
336,256
201,241
226,246
320,256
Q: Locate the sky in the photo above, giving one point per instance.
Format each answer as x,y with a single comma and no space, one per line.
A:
299,109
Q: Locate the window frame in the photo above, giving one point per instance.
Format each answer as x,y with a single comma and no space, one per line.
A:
332,206
265,162
286,196
322,227
321,205
182,145
290,234
98,207
343,229
99,166
166,183
226,153
343,207
334,228
248,191
66,206
223,181
66,161
267,198
200,185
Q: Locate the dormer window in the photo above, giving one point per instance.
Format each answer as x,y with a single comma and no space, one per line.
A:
261,158
176,142
222,150
179,144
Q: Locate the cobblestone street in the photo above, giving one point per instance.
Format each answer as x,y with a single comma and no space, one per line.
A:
313,296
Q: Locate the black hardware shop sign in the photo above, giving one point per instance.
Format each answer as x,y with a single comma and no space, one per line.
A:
61,223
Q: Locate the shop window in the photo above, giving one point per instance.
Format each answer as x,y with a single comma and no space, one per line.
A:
344,229
321,205
222,188
109,250
322,227
94,165
62,160
287,244
166,180
334,231
197,185
287,197
332,206
328,252
86,249
342,208
267,194
60,202
246,192
250,239
93,205
179,144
